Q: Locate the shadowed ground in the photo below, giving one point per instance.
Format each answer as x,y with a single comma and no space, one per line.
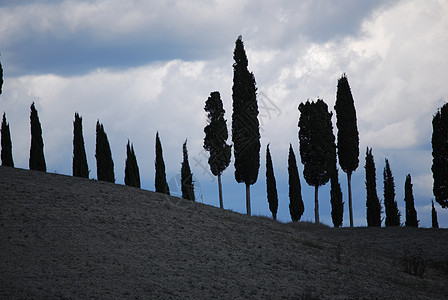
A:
64,237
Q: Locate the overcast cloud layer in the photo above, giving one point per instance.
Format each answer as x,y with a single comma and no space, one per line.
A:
140,67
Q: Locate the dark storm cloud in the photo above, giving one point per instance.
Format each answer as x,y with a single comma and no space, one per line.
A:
70,38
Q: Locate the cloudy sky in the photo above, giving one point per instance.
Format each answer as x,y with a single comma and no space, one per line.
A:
146,66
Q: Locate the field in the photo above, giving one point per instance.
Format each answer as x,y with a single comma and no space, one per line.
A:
65,237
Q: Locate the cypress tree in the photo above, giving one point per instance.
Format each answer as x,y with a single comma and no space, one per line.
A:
1,77
245,125
271,185
6,144
296,207
80,168
435,223
160,181
392,213
337,206
37,159
373,204
103,154
186,177
348,136
131,171
215,140
317,147
411,213
440,155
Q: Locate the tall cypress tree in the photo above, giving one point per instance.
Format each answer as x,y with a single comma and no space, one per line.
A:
317,147
186,177
373,204
296,207
411,213
435,223
104,162
348,136
6,144
1,77
337,206
245,125
131,171
392,212
160,181
440,155
37,158
80,168
271,185
215,140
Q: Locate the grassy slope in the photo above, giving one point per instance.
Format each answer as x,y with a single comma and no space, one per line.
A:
70,237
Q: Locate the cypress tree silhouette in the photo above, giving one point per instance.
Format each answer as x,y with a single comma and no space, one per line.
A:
271,186
131,171
317,147
373,204
411,213
296,207
6,144
348,136
160,181
245,125
215,140
392,213
1,77
337,206
186,177
104,162
80,167
440,155
435,223
37,159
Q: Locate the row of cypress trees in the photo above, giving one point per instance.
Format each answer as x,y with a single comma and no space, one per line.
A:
103,155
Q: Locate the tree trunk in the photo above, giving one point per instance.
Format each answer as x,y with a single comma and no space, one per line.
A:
248,199
316,204
221,205
349,180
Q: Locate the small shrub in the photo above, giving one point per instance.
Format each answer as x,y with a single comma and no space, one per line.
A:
414,264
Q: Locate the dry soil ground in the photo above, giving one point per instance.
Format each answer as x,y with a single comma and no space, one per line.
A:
64,237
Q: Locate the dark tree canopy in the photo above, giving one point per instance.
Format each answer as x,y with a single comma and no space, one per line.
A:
317,147
440,155
337,205
186,177
216,135
245,125
6,144
373,204
296,207
131,171
411,213
435,223
392,212
161,184
80,167
37,158
103,154
348,136
271,185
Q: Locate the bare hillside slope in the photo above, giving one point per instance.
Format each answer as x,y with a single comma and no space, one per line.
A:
64,237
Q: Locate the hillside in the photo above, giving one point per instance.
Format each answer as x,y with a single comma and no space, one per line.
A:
64,237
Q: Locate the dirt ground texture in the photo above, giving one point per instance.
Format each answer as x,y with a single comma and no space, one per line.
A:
65,237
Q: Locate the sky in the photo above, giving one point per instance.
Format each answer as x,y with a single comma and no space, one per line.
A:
145,66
